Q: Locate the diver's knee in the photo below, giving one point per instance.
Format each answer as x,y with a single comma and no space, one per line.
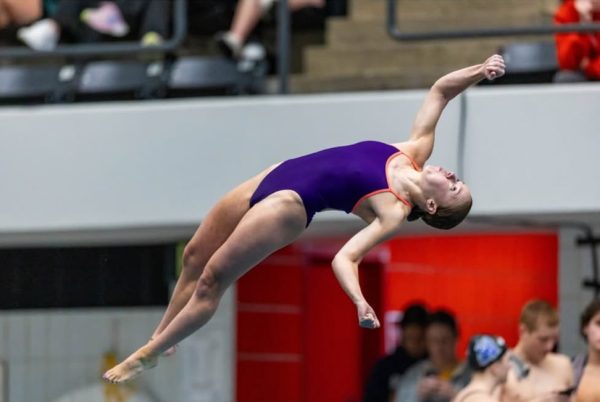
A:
209,286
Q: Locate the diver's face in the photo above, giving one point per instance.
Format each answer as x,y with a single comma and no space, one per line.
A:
444,187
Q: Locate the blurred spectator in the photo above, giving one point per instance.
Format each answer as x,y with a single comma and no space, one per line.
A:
550,374
88,20
148,19
247,15
587,365
411,349
66,24
440,377
488,358
14,13
578,53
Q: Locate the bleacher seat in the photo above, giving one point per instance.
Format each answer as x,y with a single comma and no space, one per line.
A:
109,78
205,73
529,62
25,83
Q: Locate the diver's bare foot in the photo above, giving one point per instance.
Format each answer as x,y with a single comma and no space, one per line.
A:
133,366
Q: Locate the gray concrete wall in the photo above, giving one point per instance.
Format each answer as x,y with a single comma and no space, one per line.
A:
124,166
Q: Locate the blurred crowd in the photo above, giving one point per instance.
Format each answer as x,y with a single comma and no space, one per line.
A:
44,24
426,367
578,53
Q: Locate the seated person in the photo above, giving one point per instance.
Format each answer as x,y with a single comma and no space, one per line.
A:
550,374
14,13
440,377
88,20
488,358
578,53
587,366
410,350
247,15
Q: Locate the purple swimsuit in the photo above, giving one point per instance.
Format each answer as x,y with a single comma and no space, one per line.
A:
335,178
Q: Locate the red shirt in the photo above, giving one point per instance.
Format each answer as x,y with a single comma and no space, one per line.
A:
572,48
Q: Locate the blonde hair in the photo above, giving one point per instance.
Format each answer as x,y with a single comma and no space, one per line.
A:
536,309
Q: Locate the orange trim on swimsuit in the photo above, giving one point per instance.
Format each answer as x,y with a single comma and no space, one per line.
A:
389,189
412,161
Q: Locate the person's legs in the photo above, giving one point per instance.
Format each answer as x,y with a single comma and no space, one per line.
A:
269,225
150,19
68,13
155,17
45,34
65,23
299,4
247,15
5,18
23,12
210,235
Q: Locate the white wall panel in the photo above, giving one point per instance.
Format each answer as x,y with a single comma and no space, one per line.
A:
165,163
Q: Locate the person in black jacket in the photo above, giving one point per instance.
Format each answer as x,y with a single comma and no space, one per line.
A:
410,349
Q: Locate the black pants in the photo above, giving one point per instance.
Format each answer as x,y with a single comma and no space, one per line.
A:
67,15
147,15
142,16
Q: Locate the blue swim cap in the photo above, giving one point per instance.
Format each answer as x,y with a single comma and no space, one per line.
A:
485,350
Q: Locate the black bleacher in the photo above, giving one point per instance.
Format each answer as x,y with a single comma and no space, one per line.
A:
184,71
127,80
529,62
31,83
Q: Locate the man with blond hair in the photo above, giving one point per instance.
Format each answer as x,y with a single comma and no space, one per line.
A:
550,375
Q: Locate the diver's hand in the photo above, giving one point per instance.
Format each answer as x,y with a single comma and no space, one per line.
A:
366,315
493,67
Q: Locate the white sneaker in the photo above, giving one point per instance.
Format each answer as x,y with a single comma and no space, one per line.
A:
42,35
229,45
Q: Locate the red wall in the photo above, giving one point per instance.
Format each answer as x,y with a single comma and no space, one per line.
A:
270,345
483,279
297,333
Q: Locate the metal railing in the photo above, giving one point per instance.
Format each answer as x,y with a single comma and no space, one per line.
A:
180,28
283,46
98,49
395,32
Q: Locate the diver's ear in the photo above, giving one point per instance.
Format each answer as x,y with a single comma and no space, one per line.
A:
431,206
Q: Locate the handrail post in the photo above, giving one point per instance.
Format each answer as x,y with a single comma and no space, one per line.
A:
395,33
283,46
